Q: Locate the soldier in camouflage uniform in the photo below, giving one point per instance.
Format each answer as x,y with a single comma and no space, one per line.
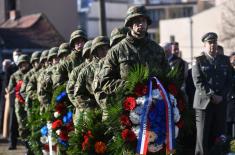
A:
86,54
31,89
77,40
35,63
83,92
44,87
117,35
135,49
14,87
64,51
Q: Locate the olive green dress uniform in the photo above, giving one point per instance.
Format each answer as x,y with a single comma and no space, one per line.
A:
211,76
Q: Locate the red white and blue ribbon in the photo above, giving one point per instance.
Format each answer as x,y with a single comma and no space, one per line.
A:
142,145
170,126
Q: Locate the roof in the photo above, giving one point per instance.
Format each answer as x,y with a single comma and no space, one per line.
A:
32,31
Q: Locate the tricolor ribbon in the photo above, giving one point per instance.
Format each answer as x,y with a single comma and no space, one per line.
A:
142,145
170,126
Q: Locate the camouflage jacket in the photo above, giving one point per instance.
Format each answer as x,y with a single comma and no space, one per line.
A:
26,81
83,92
63,70
72,80
31,88
15,77
124,56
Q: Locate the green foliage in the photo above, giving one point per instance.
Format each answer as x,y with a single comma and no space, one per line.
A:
138,74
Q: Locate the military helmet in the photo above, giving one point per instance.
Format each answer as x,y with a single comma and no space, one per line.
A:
22,58
86,47
64,48
77,34
35,56
44,55
118,33
52,52
99,41
136,11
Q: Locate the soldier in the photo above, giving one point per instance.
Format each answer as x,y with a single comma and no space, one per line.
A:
35,63
45,84
83,92
211,76
77,40
64,51
117,35
135,49
31,89
14,87
86,54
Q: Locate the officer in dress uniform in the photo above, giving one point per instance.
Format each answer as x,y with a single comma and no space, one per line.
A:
211,76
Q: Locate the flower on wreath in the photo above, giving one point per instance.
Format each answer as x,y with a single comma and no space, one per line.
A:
85,143
69,126
60,108
17,91
172,89
56,114
128,135
44,130
129,103
63,135
44,139
100,147
56,124
61,96
134,117
141,90
125,121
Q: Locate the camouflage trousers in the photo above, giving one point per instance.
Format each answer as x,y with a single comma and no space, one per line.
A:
21,116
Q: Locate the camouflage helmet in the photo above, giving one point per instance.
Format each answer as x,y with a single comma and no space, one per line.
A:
35,56
87,47
22,58
136,11
99,41
64,48
118,33
44,55
52,52
77,34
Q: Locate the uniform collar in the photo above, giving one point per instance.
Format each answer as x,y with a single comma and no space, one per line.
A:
136,41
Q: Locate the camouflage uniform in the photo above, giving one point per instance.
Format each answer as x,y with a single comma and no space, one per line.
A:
64,69
45,87
31,89
15,79
83,92
130,52
35,57
74,74
64,51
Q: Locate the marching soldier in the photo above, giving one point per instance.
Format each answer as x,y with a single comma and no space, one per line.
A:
212,79
83,92
64,51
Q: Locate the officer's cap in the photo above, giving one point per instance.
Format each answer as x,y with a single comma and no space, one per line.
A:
210,36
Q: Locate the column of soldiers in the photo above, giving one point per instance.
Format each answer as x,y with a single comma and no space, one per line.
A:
95,69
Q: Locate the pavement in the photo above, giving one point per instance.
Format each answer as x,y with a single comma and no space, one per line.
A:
4,148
